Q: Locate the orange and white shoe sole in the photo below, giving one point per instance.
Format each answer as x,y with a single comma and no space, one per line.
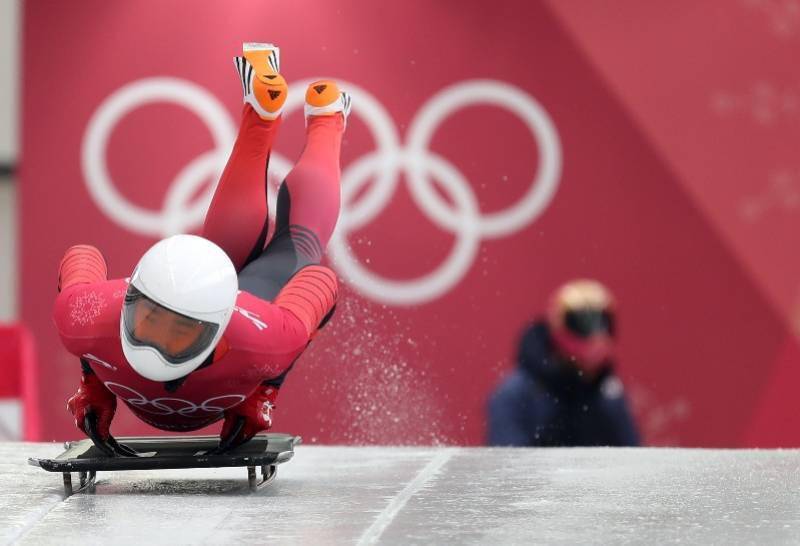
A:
262,85
323,98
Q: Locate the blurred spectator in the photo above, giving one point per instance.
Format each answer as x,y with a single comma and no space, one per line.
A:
564,391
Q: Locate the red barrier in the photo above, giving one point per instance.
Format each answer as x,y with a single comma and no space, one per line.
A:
17,363
11,342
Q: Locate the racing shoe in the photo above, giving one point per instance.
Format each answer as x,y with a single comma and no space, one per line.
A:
263,87
323,98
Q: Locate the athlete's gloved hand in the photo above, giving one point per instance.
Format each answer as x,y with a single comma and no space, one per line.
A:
255,411
93,397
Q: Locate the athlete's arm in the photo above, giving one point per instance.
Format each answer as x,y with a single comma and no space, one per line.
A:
302,307
310,295
81,264
81,268
280,330
92,397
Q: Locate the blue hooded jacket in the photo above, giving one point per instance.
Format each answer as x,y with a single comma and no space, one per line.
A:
547,403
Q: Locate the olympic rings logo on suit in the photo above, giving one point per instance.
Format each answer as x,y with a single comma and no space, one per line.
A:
175,406
384,165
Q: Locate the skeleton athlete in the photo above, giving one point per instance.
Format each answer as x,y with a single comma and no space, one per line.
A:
206,328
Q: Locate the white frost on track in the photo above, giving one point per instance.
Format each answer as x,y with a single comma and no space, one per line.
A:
385,518
30,520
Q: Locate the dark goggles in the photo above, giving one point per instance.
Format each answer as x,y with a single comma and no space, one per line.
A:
588,322
177,337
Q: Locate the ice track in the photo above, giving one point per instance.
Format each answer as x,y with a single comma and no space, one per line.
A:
369,495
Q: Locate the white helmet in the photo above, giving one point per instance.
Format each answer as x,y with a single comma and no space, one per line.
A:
179,301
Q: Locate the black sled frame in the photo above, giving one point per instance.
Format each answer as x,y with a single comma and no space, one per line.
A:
87,458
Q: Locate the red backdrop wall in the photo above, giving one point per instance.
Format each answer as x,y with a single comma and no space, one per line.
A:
494,152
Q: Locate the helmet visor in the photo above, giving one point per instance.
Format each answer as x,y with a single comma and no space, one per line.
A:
177,337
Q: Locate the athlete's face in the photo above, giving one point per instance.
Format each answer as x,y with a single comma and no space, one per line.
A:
161,327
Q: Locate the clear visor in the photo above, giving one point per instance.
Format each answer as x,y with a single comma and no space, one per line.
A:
177,337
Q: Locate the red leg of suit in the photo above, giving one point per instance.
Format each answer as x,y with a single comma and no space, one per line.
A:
312,186
308,208
237,217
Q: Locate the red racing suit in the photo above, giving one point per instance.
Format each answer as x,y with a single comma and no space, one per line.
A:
260,343
284,295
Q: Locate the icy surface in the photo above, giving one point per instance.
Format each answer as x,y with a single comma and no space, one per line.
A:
352,495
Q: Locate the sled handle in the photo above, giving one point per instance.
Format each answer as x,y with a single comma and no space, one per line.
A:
227,443
109,447
90,426
121,449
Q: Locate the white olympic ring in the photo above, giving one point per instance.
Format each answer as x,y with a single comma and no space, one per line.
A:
164,405
383,166
177,215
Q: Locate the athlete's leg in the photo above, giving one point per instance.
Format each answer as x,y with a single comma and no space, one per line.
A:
311,194
237,217
308,205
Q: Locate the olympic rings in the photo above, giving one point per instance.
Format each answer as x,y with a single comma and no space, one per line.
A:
383,166
172,406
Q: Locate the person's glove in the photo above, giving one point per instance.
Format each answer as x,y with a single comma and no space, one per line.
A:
256,414
93,397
